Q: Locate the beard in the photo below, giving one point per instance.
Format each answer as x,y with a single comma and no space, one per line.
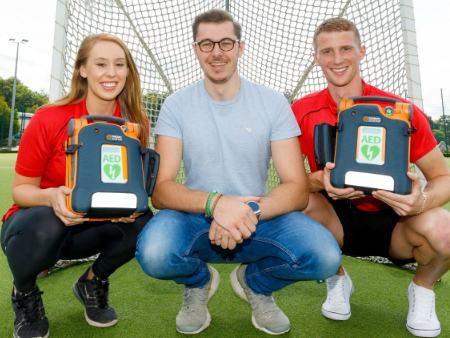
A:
224,80
221,81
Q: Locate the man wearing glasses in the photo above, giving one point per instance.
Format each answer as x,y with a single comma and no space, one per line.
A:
225,129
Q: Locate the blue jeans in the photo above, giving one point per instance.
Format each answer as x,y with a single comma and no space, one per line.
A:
289,248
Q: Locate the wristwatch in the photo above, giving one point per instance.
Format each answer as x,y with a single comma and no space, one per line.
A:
255,207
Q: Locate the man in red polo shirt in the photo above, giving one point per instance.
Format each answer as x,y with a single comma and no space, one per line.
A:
402,228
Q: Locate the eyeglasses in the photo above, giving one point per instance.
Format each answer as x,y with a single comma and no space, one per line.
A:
225,45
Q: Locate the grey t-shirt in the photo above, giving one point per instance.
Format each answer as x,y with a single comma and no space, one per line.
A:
226,145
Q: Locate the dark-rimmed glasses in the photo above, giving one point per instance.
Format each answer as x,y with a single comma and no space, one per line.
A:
225,45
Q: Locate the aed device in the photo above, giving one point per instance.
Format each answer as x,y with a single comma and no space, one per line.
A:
373,145
111,175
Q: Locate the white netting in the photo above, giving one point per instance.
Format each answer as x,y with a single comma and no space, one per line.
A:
278,36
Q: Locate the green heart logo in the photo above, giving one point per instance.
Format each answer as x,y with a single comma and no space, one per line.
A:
370,152
112,171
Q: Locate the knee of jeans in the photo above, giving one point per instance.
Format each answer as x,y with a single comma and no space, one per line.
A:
158,258
328,261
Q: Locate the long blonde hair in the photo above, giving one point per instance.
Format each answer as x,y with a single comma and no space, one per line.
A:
131,105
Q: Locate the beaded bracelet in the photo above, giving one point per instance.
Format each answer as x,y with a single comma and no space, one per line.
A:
208,203
214,205
424,202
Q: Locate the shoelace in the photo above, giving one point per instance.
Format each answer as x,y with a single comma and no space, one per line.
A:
336,290
31,306
194,295
423,304
100,292
267,302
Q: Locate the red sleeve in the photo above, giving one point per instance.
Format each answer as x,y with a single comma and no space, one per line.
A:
422,141
34,151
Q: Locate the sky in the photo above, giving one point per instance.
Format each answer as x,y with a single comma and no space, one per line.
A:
35,21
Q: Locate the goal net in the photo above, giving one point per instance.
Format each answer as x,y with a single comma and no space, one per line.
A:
278,36
278,49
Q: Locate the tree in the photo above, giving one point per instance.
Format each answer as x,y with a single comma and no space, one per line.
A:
438,135
430,121
154,102
439,123
25,97
33,109
5,117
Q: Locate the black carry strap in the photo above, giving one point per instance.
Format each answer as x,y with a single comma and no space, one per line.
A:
150,163
71,149
324,143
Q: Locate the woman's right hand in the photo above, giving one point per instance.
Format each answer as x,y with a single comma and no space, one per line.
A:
58,200
27,193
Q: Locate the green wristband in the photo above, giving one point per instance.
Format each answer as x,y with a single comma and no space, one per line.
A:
208,212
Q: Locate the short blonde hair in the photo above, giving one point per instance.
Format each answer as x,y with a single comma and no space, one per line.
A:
336,25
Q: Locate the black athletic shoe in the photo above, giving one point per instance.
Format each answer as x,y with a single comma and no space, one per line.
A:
93,294
30,320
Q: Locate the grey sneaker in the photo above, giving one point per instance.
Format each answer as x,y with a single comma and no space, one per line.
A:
194,316
266,315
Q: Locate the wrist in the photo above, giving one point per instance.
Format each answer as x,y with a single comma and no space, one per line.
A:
255,208
316,181
50,196
322,177
208,204
215,204
423,204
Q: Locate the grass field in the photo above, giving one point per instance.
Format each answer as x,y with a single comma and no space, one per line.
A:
148,307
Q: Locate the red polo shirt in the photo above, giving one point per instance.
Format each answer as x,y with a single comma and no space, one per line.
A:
319,107
41,151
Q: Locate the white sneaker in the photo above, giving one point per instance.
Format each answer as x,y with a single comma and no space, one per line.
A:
422,320
339,291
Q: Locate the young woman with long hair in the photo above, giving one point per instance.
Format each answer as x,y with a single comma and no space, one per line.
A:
38,229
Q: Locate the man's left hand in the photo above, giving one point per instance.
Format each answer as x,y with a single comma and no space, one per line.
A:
404,205
221,237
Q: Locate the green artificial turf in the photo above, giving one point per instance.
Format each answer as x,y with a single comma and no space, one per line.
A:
148,307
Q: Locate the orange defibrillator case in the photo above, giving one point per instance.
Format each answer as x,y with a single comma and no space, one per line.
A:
373,145
111,175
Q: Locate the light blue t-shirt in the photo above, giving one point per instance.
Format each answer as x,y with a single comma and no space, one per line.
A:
226,145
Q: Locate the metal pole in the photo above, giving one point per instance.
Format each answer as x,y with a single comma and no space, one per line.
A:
3,124
59,50
443,116
11,122
227,6
22,124
410,49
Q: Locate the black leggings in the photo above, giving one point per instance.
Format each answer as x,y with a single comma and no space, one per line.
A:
34,239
